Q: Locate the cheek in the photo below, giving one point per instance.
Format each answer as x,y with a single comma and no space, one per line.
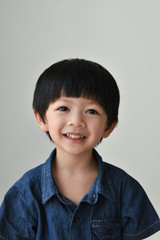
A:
97,129
55,125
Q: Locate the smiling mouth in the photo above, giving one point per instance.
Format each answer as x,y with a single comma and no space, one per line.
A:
74,136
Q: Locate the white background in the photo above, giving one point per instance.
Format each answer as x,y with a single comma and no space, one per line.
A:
123,36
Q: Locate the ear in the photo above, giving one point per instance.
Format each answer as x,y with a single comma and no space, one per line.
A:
40,122
108,130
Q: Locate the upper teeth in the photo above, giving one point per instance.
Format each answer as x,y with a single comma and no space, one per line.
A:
75,136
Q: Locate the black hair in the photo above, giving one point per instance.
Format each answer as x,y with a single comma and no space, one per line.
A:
76,78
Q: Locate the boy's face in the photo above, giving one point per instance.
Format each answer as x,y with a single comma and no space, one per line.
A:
75,125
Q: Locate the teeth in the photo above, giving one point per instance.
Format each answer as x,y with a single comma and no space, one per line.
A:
74,136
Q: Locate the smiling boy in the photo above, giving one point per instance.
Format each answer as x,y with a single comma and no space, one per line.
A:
74,194
76,125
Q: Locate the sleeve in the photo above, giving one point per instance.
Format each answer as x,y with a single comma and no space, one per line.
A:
139,218
16,217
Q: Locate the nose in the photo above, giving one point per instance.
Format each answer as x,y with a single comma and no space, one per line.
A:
76,120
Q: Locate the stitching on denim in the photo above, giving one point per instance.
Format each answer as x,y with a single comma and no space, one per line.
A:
142,231
3,238
97,235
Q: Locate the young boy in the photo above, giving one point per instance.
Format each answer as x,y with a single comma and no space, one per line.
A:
74,194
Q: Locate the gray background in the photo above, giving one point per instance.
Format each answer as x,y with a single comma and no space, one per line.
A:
123,36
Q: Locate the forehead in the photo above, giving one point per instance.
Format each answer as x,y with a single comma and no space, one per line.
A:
76,100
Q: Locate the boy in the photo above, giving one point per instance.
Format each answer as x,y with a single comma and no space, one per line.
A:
74,194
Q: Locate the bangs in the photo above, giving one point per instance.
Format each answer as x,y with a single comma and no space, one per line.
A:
77,86
78,79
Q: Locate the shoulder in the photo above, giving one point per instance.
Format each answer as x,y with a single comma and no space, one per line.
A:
33,185
117,175
29,184
117,178
30,177
123,185
110,171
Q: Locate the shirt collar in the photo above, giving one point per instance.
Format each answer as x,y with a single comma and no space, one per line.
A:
103,185
47,181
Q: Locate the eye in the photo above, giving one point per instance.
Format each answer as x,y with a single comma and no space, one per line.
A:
63,109
91,111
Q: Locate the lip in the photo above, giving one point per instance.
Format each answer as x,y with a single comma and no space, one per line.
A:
77,137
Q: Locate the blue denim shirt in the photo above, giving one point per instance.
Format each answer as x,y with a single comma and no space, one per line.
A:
116,207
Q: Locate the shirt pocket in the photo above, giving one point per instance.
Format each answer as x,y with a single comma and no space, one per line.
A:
105,230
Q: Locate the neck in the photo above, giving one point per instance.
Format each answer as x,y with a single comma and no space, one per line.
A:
66,161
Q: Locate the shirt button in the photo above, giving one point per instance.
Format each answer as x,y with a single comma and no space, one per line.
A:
76,219
93,196
110,232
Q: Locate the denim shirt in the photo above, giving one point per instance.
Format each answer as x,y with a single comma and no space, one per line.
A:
115,208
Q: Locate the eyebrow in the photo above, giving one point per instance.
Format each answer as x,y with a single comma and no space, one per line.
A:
68,99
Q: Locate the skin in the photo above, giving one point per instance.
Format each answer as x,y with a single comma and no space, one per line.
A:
75,125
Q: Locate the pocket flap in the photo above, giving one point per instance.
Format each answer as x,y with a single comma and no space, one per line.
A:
106,229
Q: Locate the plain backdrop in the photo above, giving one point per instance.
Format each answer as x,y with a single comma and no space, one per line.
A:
124,37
